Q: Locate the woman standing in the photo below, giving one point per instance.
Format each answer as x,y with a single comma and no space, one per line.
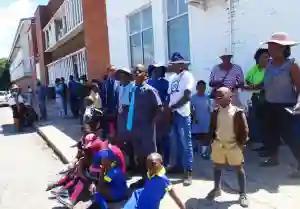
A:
282,87
16,102
254,81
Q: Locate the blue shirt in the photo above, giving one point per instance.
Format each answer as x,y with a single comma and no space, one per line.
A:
116,180
162,86
201,106
124,93
41,93
73,87
153,192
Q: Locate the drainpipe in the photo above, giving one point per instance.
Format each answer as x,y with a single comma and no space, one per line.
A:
231,24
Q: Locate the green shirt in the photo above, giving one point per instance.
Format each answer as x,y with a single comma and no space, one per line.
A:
255,75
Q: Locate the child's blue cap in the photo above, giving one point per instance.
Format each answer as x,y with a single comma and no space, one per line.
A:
103,154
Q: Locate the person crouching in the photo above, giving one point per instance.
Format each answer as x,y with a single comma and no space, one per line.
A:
229,130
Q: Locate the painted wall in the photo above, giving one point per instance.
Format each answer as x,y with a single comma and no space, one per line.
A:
239,25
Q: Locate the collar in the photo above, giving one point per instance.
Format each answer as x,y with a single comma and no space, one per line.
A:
160,173
226,108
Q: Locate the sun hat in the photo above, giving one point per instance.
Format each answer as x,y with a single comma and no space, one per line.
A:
226,53
281,38
124,70
177,58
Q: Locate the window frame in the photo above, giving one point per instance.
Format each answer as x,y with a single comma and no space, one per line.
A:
141,31
167,20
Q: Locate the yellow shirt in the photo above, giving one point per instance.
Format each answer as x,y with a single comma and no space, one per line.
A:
225,125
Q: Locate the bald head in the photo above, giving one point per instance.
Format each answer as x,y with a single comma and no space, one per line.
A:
155,157
223,96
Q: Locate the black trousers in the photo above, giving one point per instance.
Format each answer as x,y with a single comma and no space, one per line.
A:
281,125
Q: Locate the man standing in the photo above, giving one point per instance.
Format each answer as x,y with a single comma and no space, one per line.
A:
41,92
74,97
144,107
64,95
227,75
180,95
109,97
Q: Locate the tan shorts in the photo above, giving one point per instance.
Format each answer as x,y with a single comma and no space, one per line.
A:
226,156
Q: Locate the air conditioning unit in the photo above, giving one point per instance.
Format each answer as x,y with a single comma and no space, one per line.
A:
198,3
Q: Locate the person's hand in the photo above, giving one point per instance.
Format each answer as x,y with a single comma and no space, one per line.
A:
92,188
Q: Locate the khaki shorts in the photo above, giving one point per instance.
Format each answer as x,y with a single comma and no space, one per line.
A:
232,156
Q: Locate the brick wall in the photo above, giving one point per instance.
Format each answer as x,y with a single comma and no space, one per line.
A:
96,37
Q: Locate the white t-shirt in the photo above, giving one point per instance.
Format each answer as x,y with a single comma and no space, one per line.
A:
179,83
12,100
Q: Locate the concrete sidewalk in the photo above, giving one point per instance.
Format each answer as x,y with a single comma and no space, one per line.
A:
268,188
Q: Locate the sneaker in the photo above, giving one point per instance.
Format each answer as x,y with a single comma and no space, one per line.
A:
61,193
213,194
269,163
188,179
50,187
244,201
66,202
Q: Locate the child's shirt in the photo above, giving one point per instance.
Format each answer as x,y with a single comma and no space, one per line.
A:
201,106
116,180
153,192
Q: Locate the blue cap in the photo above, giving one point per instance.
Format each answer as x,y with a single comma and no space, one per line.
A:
177,58
103,154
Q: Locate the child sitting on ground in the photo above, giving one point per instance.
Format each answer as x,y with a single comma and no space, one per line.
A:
155,187
229,132
111,186
201,119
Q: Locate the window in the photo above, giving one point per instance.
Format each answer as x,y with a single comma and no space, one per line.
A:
178,28
141,37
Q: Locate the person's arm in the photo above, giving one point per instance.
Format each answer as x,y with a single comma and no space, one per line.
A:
174,196
186,98
240,78
212,82
295,74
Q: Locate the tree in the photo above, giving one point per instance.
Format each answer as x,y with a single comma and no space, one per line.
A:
4,74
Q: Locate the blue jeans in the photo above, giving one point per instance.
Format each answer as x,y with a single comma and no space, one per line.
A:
181,142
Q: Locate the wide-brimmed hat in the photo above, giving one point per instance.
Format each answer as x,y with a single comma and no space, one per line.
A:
124,70
226,53
281,38
177,58
15,86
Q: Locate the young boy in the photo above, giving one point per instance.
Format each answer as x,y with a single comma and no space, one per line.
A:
112,185
155,187
229,131
201,119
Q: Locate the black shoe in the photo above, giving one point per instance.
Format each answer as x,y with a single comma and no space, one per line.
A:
187,181
175,170
139,184
264,154
260,149
244,202
213,194
269,163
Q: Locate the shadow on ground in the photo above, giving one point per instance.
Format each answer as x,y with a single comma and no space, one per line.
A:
9,130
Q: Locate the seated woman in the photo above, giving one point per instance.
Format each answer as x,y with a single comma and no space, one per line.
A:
16,102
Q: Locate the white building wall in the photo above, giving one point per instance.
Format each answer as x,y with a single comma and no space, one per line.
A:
211,30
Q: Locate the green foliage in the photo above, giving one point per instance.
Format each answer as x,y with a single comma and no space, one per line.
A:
4,74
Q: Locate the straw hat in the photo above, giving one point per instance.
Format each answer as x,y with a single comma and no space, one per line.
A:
281,38
226,53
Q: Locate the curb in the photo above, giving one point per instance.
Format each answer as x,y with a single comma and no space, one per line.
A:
51,145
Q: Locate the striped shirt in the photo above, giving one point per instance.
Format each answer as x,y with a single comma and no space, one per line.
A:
231,79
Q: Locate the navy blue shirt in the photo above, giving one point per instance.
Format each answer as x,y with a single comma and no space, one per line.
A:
162,86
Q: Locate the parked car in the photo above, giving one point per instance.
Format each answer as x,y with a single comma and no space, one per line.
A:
4,99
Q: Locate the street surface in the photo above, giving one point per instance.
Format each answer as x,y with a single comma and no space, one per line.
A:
26,166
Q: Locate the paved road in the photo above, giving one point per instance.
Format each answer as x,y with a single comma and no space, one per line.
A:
26,166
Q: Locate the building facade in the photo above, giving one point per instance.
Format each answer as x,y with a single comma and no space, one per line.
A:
23,54
73,39
148,31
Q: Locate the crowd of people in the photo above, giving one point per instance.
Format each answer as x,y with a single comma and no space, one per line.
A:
141,121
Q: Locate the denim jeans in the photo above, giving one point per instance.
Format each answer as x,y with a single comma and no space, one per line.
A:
181,142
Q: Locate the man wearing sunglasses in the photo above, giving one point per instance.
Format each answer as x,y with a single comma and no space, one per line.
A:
144,107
